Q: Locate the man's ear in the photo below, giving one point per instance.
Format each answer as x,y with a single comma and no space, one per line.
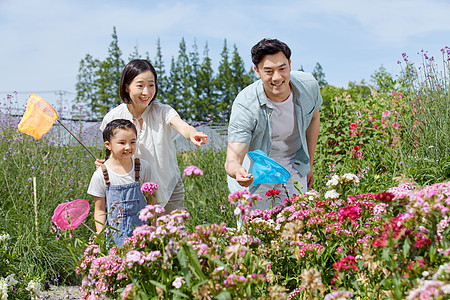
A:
257,71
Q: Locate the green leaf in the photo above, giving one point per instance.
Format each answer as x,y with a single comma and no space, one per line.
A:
224,295
182,259
432,253
406,247
158,284
194,263
177,292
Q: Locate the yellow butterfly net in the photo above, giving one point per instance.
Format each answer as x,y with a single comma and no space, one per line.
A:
38,117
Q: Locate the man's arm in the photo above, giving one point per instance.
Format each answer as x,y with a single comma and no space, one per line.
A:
233,164
312,134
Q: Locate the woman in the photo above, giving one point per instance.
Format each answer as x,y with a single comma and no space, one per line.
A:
157,125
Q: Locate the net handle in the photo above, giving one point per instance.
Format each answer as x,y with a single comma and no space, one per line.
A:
77,139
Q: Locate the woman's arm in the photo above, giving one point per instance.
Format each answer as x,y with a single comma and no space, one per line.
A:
188,132
100,213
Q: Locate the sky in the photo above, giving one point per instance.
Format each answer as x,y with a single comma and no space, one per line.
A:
44,41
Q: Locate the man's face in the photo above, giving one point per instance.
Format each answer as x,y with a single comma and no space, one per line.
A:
275,73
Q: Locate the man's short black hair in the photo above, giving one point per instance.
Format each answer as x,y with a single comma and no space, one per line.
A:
269,47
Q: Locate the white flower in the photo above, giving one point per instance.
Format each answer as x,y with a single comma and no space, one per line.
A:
11,280
237,211
332,194
350,178
334,181
446,289
4,237
33,286
425,273
3,289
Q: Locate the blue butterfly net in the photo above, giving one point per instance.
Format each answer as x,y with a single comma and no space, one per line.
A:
266,170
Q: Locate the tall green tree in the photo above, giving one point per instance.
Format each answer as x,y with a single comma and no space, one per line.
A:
109,73
161,72
135,54
383,80
195,103
239,77
98,81
205,105
319,75
223,81
172,88
184,71
86,82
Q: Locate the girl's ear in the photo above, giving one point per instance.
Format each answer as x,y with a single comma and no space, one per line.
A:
108,145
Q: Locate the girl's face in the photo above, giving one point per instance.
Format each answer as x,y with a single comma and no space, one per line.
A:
142,89
122,144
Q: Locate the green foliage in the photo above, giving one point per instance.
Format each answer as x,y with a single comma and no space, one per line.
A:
161,72
358,136
319,75
206,196
36,176
383,81
204,104
425,118
223,80
98,80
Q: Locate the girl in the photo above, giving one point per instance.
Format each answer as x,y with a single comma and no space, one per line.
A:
157,126
115,186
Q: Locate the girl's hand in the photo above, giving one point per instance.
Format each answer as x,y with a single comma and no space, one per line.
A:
99,162
199,138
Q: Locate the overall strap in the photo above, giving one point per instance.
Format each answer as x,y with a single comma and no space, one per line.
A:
105,174
137,169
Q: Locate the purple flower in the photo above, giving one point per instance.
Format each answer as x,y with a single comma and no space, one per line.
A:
192,170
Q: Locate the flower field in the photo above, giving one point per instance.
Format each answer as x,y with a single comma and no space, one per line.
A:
375,225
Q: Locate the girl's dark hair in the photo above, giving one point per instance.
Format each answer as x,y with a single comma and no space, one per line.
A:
131,70
269,47
111,128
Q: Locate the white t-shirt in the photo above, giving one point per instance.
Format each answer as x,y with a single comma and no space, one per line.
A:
285,136
155,144
97,186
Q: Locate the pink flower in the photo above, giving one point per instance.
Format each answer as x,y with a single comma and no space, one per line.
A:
127,292
178,282
192,170
150,212
134,256
149,187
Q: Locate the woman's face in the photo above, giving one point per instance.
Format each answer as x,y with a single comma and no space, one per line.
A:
142,89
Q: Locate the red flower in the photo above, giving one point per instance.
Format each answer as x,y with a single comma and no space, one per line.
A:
355,148
351,211
345,263
273,192
385,197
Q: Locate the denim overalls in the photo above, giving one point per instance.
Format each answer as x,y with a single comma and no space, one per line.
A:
123,203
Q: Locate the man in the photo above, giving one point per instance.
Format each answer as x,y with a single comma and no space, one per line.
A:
278,114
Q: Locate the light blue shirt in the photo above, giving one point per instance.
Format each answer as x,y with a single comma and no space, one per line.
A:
252,110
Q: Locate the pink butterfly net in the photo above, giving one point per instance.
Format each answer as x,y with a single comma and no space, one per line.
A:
70,215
